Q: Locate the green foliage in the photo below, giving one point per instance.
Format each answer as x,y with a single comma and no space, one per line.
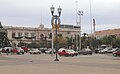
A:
69,41
111,40
21,44
108,40
33,45
117,42
105,40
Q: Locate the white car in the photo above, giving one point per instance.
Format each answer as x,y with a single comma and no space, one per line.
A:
50,51
113,50
0,49
105,50
75,53
5,48
35,51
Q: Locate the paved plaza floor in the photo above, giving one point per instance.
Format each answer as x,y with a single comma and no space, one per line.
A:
45,64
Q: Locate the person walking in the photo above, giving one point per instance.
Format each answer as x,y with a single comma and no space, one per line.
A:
7,51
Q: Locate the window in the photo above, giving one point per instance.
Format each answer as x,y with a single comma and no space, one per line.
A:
50,35
32,34
19,34
13,34
60,35
26,34
41,36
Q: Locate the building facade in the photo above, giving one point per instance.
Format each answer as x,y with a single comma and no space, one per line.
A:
29,34
100,34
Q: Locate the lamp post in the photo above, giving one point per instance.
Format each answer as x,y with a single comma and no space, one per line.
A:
80,13
55,22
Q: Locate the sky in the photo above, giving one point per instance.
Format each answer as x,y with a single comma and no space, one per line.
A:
32,13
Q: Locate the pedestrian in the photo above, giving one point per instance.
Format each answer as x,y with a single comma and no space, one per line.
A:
7,51
0,50
11,51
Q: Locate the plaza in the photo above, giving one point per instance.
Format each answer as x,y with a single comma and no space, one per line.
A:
45,64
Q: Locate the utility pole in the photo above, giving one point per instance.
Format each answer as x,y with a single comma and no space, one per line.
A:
80,13
94,26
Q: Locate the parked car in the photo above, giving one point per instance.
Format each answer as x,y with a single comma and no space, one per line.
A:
105,50
66,52
43,50
113,50
85,51
73,51
18,50
61,49
35,51
50,51
116,53
97,50
6,48
25,49
0,49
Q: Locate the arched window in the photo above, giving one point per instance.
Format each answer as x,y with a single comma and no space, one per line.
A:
41,36
13,34
50,35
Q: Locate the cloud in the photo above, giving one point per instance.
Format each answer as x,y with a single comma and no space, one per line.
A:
35,12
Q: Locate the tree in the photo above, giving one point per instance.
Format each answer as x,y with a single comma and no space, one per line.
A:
61,41
95,43
105,40
21,44
85,35
33,45
117,43
109,40
69,41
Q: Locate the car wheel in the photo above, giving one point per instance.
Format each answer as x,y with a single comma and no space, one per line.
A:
90,53
72,55
115,55
75,54
22,52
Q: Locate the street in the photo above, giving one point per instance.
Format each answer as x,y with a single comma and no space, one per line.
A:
45,64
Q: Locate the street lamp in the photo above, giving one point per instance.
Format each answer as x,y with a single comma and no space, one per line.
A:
80,13
55,22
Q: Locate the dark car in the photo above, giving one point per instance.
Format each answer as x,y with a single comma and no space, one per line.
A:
85,52
116,53
43,50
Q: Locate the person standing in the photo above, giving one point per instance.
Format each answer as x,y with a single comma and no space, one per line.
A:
11,51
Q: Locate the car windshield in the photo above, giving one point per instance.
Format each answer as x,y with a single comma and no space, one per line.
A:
87,49
18,48
70,50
